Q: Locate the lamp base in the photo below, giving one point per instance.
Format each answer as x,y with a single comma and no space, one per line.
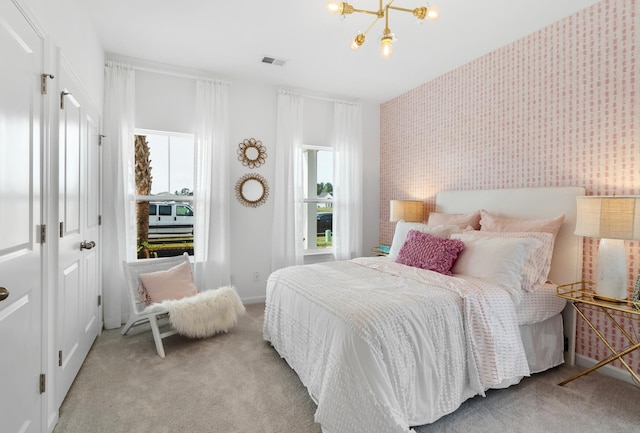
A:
612,266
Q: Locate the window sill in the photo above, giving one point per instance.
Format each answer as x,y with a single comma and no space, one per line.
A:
319,252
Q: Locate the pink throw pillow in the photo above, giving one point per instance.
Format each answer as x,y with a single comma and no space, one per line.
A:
494,223
174,283
425,251
462,220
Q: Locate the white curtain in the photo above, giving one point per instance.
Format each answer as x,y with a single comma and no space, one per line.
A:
287,245
119,233
212,185
348,182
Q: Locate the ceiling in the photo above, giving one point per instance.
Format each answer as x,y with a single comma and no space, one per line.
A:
228,39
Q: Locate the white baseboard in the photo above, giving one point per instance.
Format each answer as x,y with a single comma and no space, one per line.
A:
255,300
608,370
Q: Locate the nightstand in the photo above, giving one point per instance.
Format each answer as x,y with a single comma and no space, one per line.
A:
382,250
583,294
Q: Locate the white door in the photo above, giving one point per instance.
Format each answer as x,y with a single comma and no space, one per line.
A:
78,318
20,219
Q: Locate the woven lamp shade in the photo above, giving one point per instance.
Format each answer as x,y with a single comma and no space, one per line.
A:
613,220
407,210
608,217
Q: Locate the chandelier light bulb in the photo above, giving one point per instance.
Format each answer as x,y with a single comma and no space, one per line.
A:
334,6
386,46
357,41
433,13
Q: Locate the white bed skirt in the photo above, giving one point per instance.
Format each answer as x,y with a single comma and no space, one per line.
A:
543,344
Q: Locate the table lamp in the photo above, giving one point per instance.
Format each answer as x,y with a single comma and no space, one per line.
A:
613,220
407,210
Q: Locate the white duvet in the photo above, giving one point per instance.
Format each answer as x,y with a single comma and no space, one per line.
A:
382,346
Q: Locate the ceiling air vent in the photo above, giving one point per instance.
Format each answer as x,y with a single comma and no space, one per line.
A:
273,61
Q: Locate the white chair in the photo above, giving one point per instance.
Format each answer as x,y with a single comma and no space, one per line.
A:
137,315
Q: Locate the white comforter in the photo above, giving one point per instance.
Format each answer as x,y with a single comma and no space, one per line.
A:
382,346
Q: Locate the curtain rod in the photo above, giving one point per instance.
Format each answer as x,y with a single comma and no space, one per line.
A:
147,66
320,98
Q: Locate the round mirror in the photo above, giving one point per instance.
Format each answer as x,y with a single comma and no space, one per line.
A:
252,190
252,153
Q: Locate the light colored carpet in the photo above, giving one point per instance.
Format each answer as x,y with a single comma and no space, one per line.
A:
236,383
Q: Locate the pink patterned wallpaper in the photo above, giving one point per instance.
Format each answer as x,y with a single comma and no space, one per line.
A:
556,108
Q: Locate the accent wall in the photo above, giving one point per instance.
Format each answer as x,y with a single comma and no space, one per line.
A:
556,108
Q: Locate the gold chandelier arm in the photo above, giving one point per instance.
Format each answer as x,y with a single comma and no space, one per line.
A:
386,18
396,8
364,11
370,26
379,13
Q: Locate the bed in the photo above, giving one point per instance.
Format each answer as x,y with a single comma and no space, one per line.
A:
382,346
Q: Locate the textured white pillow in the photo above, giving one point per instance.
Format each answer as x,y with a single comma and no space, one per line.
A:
403,227
536,267
497,260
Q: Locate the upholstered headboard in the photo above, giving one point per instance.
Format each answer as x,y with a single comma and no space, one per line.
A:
566,266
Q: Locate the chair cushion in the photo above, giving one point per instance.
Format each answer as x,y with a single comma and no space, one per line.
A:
173,283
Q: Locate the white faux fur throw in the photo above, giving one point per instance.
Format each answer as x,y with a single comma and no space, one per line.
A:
205,313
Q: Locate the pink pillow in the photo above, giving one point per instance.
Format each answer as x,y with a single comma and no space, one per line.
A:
494,223
425,251
174,283
462,220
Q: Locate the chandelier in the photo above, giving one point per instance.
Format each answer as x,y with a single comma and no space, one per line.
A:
429,13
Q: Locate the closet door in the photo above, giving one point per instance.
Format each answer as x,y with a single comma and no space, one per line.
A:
20,218
78,311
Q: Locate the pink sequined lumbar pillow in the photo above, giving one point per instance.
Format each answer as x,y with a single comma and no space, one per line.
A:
422,250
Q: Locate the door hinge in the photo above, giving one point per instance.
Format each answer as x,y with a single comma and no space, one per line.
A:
62,95
59,358
61,229
99,220
43,383
43,83
99,300
43,233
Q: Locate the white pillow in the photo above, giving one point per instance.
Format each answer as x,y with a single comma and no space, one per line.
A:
497,260
537,266
403,227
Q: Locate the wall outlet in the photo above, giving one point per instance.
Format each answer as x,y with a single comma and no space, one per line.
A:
256,276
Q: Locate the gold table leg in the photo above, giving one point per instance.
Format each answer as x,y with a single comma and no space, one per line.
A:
616,355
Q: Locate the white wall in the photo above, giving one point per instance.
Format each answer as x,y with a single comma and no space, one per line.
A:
69,28
166,103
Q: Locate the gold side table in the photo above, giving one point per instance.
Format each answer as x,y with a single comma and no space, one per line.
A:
581,294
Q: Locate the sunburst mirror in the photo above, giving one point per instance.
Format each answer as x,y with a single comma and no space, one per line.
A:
252,190
252,153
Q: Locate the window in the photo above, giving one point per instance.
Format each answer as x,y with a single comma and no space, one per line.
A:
169,222
318,199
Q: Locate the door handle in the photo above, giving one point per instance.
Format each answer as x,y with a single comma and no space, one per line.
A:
84,245
4,293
